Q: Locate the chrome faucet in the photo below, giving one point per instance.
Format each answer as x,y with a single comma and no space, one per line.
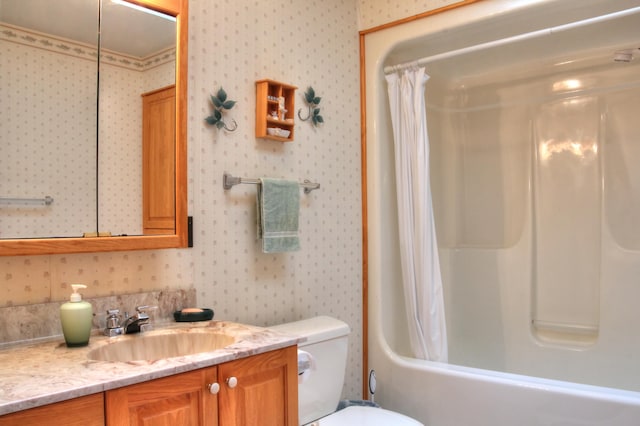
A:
137,322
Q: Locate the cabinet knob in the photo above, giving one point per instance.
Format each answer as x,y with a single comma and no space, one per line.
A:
232,382
214,388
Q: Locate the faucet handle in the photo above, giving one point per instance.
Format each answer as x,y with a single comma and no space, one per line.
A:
142,314
113,327
113,318
142,310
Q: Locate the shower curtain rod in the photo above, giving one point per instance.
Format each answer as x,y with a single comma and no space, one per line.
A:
526,36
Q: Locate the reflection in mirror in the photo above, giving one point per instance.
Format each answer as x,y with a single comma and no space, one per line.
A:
138,52
52,76
48,117
68,147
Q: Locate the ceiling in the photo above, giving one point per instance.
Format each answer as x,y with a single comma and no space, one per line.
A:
124,30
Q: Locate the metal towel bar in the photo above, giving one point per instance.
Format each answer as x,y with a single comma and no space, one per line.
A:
45,201
229,181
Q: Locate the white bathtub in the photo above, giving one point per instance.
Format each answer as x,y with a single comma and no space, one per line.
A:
524,350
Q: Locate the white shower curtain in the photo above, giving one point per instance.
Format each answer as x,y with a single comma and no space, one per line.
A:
418,245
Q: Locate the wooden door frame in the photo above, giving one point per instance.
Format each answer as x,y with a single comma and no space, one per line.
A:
363,168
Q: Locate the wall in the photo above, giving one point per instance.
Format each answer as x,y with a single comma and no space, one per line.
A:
378,12
232,44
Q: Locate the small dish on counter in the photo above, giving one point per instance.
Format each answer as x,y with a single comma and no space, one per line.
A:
193,314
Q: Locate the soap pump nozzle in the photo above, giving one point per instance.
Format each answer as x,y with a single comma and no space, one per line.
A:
75,296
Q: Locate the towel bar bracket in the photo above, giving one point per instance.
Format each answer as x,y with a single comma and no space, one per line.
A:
309,186
229,181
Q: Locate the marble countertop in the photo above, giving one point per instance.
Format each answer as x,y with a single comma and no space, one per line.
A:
42,373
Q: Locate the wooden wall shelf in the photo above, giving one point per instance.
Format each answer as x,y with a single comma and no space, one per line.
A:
270,117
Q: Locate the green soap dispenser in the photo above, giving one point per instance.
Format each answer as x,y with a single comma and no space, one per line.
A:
76,317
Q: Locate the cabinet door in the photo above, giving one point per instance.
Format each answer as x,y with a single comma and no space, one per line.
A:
181,400
266,393
83,411
158,161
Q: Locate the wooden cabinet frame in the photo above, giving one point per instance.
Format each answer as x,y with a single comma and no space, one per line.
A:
271,96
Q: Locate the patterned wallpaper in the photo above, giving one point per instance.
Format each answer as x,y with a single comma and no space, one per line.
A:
378,12
233,43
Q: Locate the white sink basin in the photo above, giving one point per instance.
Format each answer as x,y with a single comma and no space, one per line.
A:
150,346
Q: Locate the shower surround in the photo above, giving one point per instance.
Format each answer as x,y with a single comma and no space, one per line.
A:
534,153
536,190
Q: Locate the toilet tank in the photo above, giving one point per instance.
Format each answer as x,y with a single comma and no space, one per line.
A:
327,341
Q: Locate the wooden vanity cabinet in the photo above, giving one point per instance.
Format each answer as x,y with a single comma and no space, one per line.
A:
266,393
83,411
180,400
261,390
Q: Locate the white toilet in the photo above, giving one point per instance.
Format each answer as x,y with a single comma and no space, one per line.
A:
320,386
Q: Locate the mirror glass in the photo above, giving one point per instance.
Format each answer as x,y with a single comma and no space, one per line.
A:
138,63
71,127
48,117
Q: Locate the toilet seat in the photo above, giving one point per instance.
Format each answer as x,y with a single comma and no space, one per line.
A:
369,416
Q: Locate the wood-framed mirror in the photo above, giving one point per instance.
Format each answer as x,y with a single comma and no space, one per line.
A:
173,235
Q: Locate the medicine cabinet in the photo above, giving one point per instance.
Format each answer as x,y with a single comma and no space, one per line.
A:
85,163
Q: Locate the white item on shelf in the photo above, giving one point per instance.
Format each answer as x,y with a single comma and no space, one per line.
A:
276,131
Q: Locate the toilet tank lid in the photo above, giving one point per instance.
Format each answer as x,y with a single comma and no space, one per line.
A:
315,329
